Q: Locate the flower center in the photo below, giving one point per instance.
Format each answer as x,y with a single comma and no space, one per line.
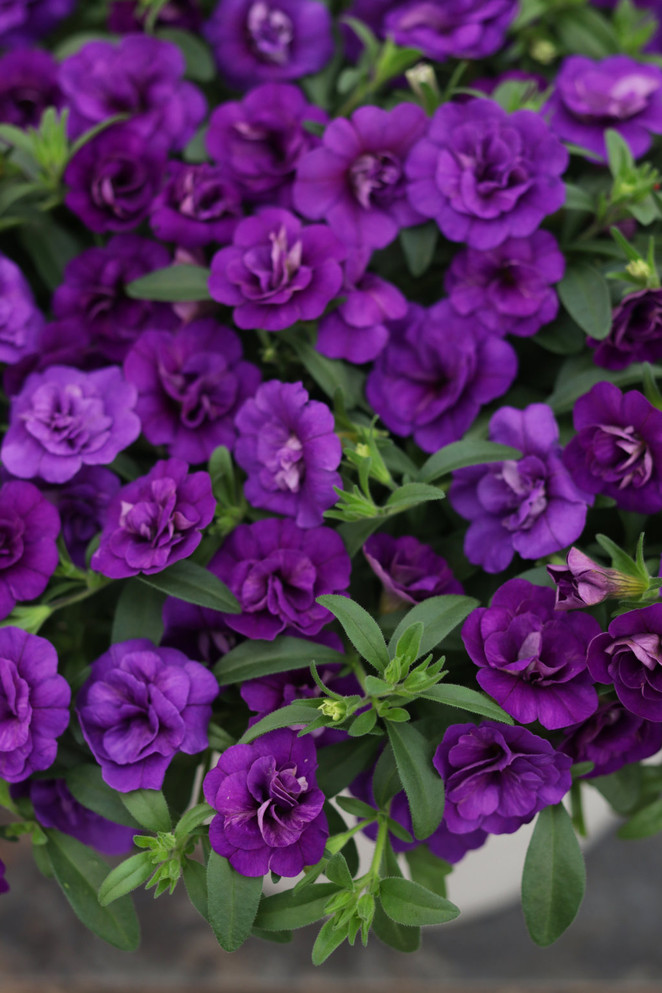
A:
270,32
620,455
528,494
65,421
290,459
374,176
15,709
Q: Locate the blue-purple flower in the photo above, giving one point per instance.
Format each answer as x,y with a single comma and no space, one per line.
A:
409,570
629,656
20,319
199,204
612,737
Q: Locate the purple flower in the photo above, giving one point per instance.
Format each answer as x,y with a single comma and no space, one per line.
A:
508,289
199,632
629,655
288,447
198,205
529,505
616,93
269,40
141,706
94,294
409,570
269,808
356,181
435,374
58,343
498,777
28,85
34,704
20,320
190,385
29,526
277,271
531,659
618,448
154,521
277,570
126,16
64,418
114,179
83,505
4,885
259,140
485,175
612,738
636,332
22,21
583,582
140,76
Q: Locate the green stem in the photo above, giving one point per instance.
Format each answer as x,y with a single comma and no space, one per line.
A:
76,597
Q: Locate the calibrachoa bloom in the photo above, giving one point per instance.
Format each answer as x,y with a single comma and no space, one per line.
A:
435,373
485,175
141,706
611,738
277,570
498,777
356,180
154,521
190,386
616,93
277,271
29,526
530,505
268,805
288,447
23,21
20,319
34,704
531,659
509,288
409,570
618,448
28,85
199,632
629,655
582,582
82,504
199,204
269,40
635,334
64,418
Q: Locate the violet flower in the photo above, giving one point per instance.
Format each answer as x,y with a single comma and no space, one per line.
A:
629,655
200,633
82,504
24,21
611,738
199,204
20,319
28,85
635,334
409,570
126,16
29,526
583,582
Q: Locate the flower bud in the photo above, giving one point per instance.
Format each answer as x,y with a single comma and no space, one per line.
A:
583,582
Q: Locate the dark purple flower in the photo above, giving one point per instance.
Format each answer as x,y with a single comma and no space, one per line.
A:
498,777
4,885
126,16
636,332
532,660
269,40
259,140
199,632
269,808
140,76
277,271
141,706
508,289
28,85
190,385
114,179
529,505
34,704
356,180
277,570
199,204
629,655
616,92
618,448
23,21
58,343
20,319
93,294
612,738
485,175
29,526
435,374
154,521
64,418
288,447
409,570
583,582
83,505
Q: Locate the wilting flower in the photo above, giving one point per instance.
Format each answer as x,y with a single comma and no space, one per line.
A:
629,655
28,85
583,582
268,805
20,319
611,738
635,334
29,526
409,570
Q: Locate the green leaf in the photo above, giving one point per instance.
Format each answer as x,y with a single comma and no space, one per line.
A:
125,877
398,936
356,533
80,872
562,337
361,629
50,247
200,64
337,871
422,784
88,787
138,613
328,939
644,823
409,643
584,293
621,788
439,615
409,903
465,698
619,155
554,876
460,454
192,819
577,198
339,764
174,284
363,724
579,373
411,495
222,472
232,902
195,881
385,779
619,559
418,245
357,808
284,911
149,808
298,712
428,870
253,659
191,582
329,374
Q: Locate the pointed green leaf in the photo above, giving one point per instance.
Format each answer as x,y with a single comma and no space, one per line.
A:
460,454
232,902
644,823
411,495
339,764
125,877
291,909
337,871
418,245
298,712
149,808
398,936
138,613
361,629
584,293
409,903
192,583
174,284
195,881
465,698
438,615
326,942
253,659
87,785
422,784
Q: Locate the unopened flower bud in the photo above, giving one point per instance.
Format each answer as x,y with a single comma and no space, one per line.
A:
335,709
583,582
544,51
639,269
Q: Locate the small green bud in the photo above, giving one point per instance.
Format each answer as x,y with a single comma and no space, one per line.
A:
335,709
639,269
544,51
363,450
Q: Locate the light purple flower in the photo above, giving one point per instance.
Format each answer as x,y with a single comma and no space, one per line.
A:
409,570
29,526
288,447
23,21
629,655
82,504
64,418
154,521
34,704
583,582
485,175
199,204
28,85
612,738
20,319
269,808
635,334
141,706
